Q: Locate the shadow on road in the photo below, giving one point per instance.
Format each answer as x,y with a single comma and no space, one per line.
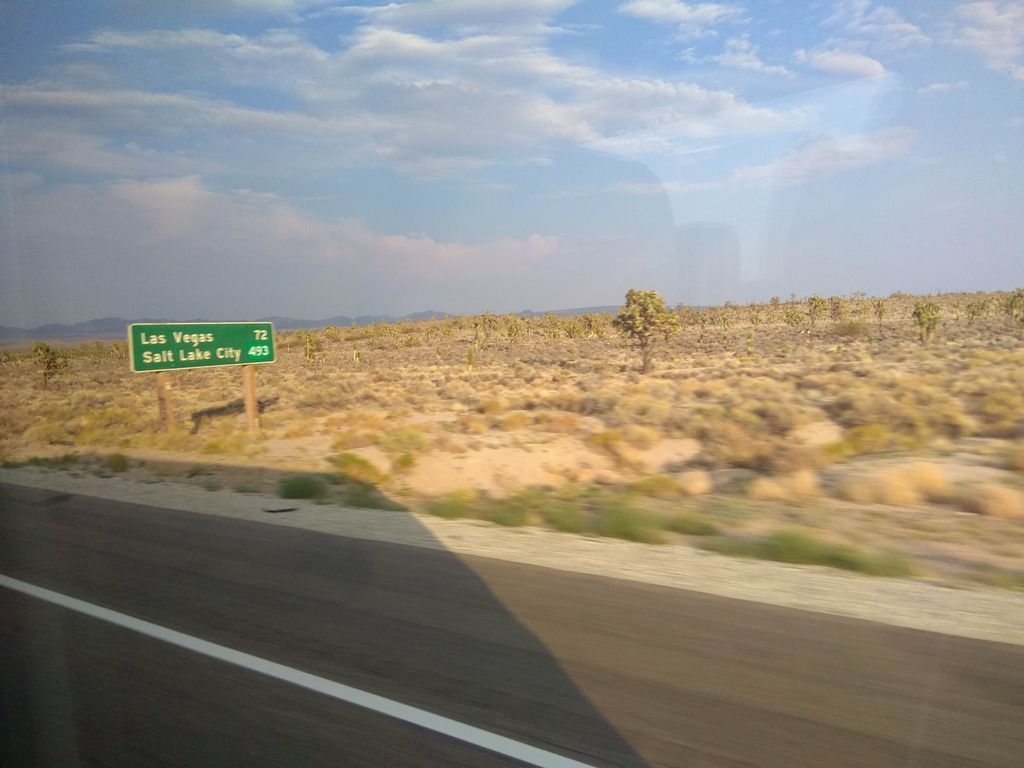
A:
413,624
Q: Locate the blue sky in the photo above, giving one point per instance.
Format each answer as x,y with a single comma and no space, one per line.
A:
232,159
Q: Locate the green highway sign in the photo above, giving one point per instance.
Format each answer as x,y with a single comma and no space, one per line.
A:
174,346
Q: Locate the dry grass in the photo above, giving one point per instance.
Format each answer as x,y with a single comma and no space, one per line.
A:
394,396
798,486
695,482
992,500
905,486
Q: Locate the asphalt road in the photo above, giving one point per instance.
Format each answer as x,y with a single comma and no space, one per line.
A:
602,671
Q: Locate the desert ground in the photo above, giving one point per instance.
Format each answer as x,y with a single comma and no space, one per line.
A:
821,431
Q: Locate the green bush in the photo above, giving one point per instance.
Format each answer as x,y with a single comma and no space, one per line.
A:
802,548
404,440
454,505
853,329
618,517
116,462
357,469
403,462
564,516
510,512
301,487
690,524
367,497
659,486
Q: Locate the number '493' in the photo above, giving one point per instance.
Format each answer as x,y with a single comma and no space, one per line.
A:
259,350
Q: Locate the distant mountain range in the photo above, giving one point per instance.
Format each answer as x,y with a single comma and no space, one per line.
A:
117,327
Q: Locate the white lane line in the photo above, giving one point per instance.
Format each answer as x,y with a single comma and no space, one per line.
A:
443,725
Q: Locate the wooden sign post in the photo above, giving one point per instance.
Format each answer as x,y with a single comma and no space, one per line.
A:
163,347
252,416
163,394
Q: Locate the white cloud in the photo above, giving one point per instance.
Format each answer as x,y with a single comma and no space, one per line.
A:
937,88
691,19
996,31
403,98
196,243
816,160
279,44
830,156
468,16
840,62
879,26
740,53
286,8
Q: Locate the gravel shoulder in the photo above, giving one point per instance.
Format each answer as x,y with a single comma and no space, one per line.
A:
980,613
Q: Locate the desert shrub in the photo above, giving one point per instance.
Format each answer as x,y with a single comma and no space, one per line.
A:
928,480
788,546
999,409
472,424
852,329
1015,458
356,468
556,421
489,406
301,487
619,517
230,443
992,500
351,438
640,436
899,486
867,438
367,496
116,462
454,505
304,429
896,489
695,482
856,490
608,440
794,487
403,462
690,524
641,408
730,444
660,486
565,516
47,432
515,420
1002,578
788,458
891,487
511,512
404,440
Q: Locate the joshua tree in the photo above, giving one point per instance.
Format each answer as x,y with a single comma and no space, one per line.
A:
51,362
976,309
836,308
755,314
878,306
926,317
815,306
643,321
1014,305
793,316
